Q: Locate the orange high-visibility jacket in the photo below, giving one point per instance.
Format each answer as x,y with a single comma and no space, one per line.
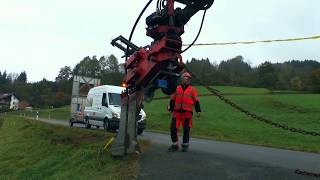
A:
184,99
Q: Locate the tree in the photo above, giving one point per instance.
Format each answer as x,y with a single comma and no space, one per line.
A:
236,69
12,77
42,93
60,99
22,78
296,83
4,75
5,85
3,78
88,67
109,64
112,78
266,75
110,73
65,73
112,63
103,63
315,81
203,69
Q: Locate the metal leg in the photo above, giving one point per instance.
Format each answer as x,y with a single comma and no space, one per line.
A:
118,147
132,121
126,140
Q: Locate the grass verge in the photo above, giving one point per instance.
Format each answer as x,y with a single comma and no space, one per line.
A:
62,113
35,150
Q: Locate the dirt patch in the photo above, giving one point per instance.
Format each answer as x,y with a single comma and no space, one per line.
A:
62,141
1,121
77,141
26,125
131,170
290,107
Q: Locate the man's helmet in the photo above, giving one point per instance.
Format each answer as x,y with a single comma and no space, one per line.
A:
186,74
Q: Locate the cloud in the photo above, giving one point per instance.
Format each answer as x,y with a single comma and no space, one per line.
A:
17,13
43,36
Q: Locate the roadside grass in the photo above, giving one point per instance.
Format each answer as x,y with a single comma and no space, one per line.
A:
219,121
62,113
33,150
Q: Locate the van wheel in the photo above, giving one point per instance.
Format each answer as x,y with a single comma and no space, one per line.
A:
88,126
71,122
106,124
140,131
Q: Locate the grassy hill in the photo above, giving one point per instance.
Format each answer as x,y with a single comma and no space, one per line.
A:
34,150
219,121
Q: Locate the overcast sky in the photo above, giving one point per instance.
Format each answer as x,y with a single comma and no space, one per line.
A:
40,37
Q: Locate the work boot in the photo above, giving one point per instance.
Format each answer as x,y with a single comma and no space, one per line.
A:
173,148
184,147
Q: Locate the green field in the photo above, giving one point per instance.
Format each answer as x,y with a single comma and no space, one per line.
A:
33,150
219,121
226,90
63,113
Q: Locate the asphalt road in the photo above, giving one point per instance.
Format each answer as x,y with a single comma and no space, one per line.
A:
207,159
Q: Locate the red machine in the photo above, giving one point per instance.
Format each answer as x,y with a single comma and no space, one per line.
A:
155,66
159,65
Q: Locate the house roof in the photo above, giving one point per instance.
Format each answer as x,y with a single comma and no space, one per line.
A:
6,95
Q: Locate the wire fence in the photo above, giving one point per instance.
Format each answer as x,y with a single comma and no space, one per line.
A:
254,42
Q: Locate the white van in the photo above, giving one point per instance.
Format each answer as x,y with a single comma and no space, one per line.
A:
103,108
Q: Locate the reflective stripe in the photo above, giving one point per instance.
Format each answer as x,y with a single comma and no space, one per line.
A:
188,96
184,105
184,99
187,106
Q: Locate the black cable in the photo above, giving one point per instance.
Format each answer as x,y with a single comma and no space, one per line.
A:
204,14
158,6
135,24
161,5
164,3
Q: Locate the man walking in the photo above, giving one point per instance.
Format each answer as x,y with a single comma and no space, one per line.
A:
181,106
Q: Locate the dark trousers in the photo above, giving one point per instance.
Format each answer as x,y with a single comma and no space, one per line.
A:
174,130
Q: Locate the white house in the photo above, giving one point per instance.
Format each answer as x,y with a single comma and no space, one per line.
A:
9,100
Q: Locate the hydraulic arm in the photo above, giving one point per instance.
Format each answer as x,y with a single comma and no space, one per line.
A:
157,65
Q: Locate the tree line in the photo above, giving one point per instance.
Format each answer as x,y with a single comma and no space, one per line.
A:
57,93
291,75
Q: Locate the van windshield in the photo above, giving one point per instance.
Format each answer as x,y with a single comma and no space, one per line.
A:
114,99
